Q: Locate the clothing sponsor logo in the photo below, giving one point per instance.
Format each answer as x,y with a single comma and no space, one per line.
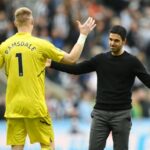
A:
44,122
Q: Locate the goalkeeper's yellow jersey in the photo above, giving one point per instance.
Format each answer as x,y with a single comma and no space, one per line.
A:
24,57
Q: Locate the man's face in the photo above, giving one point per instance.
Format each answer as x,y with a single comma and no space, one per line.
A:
115,43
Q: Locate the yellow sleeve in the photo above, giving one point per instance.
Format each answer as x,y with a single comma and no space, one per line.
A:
1,58
51,52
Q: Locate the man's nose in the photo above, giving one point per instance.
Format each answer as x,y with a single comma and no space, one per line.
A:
112,42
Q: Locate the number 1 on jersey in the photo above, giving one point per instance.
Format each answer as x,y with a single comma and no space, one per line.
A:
19,56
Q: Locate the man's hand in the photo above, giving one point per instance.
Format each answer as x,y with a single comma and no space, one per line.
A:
48,63
86,27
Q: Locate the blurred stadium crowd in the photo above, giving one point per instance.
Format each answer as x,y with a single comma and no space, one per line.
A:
55,20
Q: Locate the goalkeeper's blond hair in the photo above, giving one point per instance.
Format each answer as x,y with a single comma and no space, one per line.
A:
23,16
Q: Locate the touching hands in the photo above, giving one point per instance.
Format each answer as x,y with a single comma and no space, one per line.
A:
87,26
48,63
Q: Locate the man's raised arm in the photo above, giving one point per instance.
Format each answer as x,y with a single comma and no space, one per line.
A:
85,29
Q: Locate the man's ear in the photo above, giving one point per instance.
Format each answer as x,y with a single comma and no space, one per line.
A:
125,41
32,21
15,23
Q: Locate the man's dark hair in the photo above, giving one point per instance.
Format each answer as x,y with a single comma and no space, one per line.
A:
117,29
